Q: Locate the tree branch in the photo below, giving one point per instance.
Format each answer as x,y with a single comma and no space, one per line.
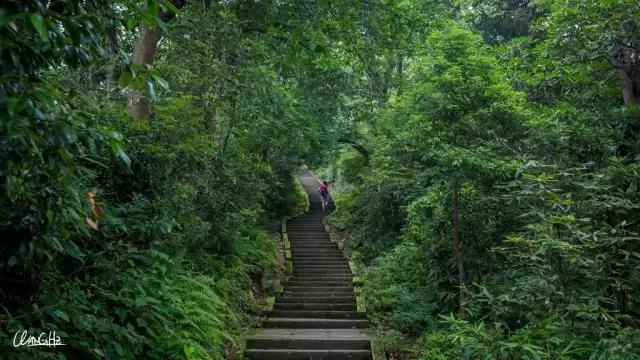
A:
357,146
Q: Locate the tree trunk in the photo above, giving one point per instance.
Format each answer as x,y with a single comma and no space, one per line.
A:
457,251
111,40
630,78
630,73
224,141
143,54
399,69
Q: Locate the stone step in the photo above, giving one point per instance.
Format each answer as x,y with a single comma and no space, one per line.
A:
320,259
322,314
337,254
305,243
327,246
317,247
318,294
318,288
299,232
298,238
313,278
316,254
314,294
316,306
326,268
306,354
315,221
321,262
328,277
308,242
323,269
291,299
321,274
324,249
320,282
316,280
309,323
319,341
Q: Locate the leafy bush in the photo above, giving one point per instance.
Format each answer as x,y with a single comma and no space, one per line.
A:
132,239
491,226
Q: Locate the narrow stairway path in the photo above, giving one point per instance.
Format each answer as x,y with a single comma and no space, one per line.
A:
315,318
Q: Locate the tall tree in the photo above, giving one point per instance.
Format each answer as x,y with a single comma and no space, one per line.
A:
144,51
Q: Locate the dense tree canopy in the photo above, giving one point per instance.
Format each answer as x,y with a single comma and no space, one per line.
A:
483,156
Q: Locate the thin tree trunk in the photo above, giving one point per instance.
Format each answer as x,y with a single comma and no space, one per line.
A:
457,251
143,54
399,68
630,78
630,74
225,139
111,39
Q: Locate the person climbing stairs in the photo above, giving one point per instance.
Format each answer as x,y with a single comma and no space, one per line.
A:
315,318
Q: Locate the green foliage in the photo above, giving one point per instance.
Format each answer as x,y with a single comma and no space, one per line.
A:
144,239
526,141
299,198
159,260
402,300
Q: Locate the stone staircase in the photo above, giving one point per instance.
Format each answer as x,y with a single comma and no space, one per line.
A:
315,318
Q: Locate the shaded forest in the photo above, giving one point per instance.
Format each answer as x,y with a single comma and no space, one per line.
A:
482,154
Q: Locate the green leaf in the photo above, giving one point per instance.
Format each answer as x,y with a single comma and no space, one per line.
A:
62,315
15,104
160,81
169,6
116,148
151,90
40,25
125,79
123,156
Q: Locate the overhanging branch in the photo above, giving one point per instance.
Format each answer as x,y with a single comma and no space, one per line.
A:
357,146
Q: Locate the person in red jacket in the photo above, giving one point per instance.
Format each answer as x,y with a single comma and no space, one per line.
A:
324,194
